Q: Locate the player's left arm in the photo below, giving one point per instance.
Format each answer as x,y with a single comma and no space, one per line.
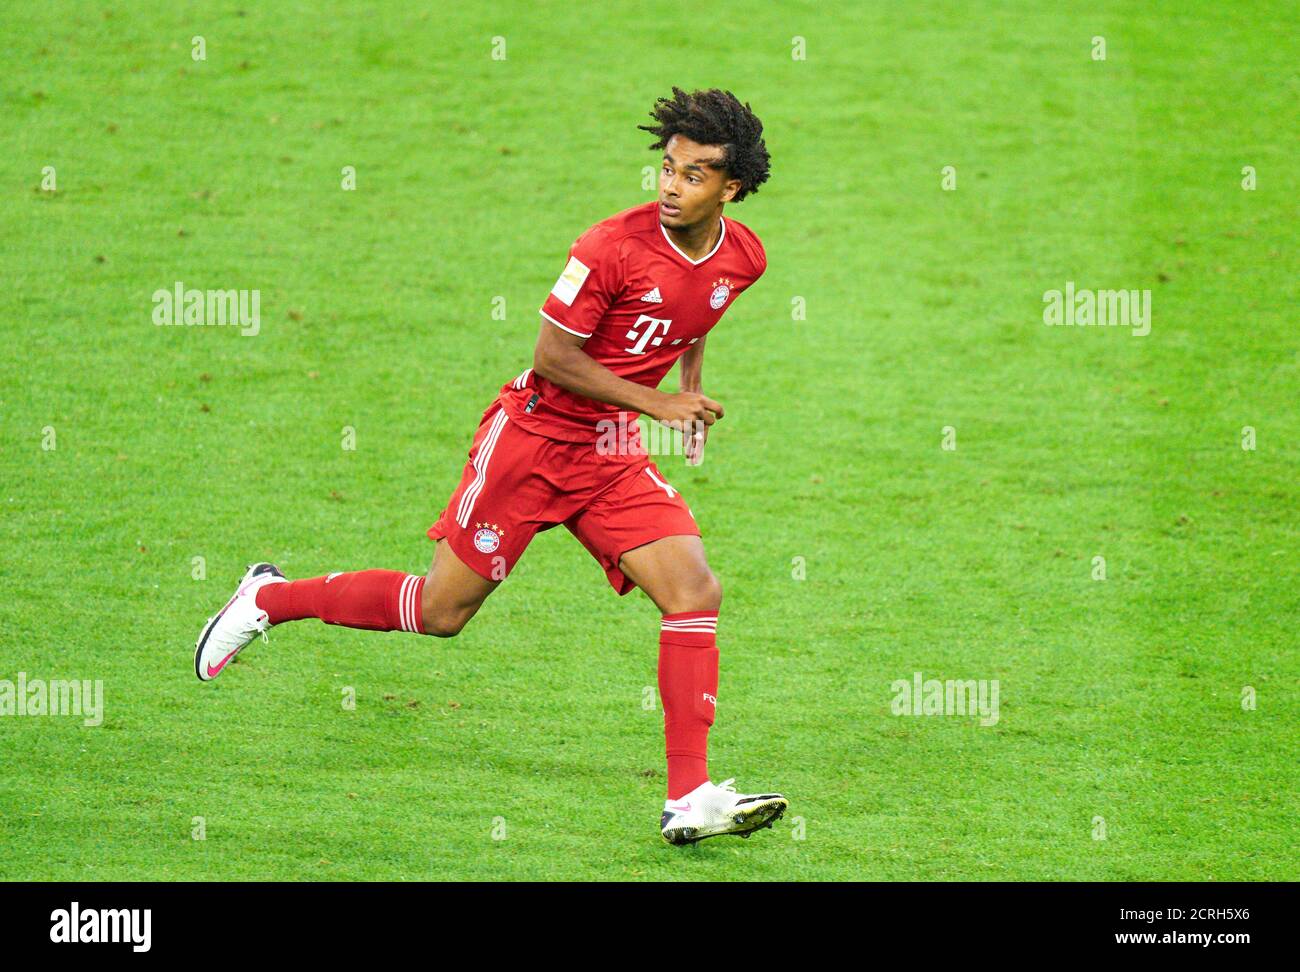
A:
691,375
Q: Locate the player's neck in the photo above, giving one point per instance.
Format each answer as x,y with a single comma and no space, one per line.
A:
697,241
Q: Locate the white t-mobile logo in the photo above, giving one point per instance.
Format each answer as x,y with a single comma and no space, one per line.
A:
652,336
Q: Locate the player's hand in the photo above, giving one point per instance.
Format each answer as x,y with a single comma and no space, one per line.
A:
682,410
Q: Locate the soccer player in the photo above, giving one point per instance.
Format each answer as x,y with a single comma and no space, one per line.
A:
641,290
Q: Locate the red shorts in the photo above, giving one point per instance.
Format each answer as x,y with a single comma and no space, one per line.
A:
518,483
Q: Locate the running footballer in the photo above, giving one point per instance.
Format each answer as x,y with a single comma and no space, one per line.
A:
640,291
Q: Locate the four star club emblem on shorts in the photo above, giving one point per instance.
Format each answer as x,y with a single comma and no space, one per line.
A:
721,291
487,537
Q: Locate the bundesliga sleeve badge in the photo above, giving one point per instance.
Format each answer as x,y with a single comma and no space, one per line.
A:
571,281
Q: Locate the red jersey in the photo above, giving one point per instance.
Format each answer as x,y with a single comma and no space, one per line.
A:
640,302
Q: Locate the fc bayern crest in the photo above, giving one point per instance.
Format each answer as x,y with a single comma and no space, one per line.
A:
721,291
487,537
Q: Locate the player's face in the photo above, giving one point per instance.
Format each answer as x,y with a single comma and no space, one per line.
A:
691,191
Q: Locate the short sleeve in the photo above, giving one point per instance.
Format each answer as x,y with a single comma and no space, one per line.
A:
591,280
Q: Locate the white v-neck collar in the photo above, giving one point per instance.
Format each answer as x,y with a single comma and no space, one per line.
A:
695,263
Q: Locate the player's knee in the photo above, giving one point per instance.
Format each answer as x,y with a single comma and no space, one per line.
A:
711,593
702,592
442,619
445,622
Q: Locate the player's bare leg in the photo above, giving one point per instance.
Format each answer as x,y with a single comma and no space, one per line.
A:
452,593
675,574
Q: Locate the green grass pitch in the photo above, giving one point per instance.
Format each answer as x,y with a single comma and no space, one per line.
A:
1148,724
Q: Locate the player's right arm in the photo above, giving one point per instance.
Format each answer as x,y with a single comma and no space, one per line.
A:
559,358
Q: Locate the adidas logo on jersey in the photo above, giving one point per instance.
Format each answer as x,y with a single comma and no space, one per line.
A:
653,297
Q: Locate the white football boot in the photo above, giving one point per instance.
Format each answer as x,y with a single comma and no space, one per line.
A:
709,810
236,624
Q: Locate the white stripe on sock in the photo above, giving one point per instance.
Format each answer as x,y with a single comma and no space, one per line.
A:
417,591
402,622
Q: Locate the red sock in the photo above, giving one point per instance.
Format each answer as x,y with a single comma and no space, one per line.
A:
378,600
688,686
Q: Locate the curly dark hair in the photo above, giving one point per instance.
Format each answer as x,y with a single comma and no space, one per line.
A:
715,117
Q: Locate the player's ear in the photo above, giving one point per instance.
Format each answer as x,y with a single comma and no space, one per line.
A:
729,189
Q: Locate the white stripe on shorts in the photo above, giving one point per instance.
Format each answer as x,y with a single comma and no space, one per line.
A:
481,461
